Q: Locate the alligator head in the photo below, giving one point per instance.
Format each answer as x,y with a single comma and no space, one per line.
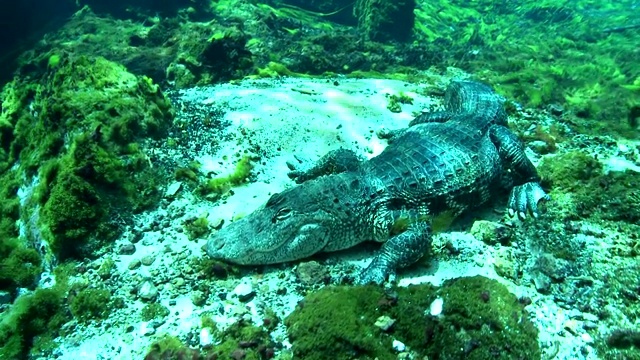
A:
292,225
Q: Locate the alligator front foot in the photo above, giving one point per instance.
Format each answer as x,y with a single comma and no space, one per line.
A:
524,199
376,273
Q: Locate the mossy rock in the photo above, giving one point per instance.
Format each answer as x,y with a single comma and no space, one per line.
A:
480,320
20,265
75,125
31,324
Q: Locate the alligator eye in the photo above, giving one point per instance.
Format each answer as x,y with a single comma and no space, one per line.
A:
281,214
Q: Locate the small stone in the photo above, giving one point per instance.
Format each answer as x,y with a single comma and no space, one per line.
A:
156,323
311,273
571,326
173,189
491,232
590,317
244,292
384,323
206,340
148,330
586,338
398,346
135,236
178,282
198,298
147,291
127,249
436,307
148,260
217,223
504,263
589,325
238,354
134,264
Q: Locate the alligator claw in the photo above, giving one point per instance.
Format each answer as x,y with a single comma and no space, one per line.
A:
524,199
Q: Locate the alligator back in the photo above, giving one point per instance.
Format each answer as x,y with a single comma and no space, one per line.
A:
451,165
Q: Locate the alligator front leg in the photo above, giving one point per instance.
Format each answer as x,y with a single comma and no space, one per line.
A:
398,252
527,193
334,162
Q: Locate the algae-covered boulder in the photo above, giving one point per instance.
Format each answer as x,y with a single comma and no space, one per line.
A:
480,319
73,125
384,20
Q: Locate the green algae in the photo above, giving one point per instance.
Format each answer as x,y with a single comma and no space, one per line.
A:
197,228
222,184
587,191
90,304
32,323
480,320
153,311
239,340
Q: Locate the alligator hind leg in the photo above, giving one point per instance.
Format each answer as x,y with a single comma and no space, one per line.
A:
424,118
334,162
399,251
431,117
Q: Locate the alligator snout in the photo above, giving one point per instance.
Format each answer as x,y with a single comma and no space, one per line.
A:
215,247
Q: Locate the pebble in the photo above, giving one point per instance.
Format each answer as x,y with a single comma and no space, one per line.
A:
127,249
217,223
173,189
198,298
244,291
148,330
177,282
206,340
504,263
586,338
436,307
311,273
147,290
134,264
398,346
135,236
384,323
148,260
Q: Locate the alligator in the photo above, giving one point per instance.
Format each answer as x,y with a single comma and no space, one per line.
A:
447,161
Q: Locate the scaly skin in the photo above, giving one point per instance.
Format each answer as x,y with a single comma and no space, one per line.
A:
448,161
